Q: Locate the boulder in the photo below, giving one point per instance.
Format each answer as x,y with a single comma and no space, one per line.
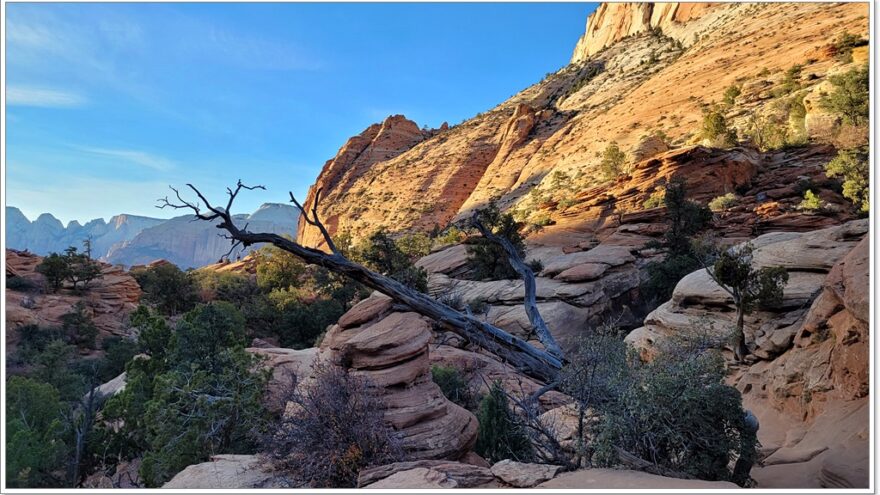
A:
436,474
287,368
226,471
523,474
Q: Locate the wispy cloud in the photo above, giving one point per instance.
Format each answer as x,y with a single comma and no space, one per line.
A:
43,97
136,157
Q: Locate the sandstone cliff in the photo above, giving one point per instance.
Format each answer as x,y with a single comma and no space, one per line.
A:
636,82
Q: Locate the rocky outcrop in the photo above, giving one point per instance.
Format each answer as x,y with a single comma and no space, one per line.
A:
376,143
390,349
633,88
190,244
287,368
612,22
226,471
809,384
108,301
698,302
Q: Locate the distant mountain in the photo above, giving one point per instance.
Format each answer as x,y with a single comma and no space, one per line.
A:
47,234
132,240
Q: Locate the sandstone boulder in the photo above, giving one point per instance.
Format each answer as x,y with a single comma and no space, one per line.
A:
425,474
226,471
523,474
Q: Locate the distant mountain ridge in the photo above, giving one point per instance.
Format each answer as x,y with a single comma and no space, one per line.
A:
130,239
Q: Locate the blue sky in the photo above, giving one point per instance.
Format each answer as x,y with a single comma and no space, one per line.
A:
108,104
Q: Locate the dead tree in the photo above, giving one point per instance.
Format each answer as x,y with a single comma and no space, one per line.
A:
541,364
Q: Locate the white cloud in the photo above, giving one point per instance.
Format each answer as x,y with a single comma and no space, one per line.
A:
136,157
43,97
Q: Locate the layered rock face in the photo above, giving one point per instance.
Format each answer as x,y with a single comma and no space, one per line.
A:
109,299
809,383
633,83
612,22
391,350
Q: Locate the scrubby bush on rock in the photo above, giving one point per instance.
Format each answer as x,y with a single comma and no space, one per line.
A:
333,429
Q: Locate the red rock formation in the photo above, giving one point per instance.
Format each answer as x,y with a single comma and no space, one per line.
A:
108,301
612,22
391,351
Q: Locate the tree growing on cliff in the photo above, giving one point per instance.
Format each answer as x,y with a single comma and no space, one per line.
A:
850,98
82,269
488,258
684,219
748,286
612,163
55,268
853,168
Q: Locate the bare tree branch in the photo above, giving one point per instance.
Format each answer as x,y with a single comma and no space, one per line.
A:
518,353
315,221
530,287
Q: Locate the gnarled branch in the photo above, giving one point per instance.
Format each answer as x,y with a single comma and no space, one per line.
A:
518,353
529,284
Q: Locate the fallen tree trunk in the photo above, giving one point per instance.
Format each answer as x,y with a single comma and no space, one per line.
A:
516,352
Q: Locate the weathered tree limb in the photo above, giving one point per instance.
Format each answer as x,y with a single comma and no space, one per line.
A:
639,464
529,284
518,353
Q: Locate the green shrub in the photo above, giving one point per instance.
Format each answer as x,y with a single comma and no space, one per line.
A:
488,259
684,219
56,270
454,386
36,452
844,44
20,284
118,351
197,395
723,202
169,289
811,202
731,93
677,413
850,97
80,329
853,169
612,163
655,200
383,254
500,435
715,128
